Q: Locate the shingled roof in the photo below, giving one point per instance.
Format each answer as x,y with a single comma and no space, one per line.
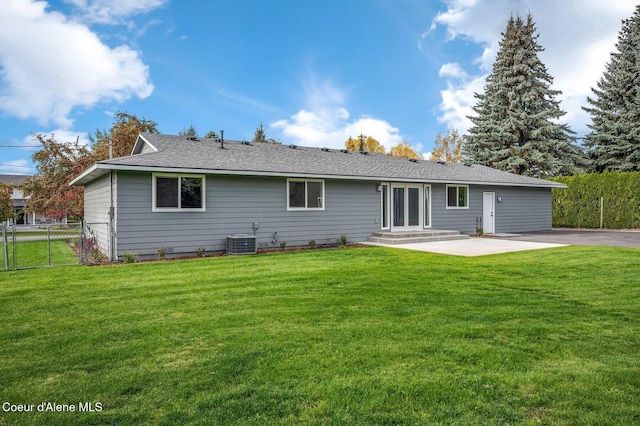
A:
165,153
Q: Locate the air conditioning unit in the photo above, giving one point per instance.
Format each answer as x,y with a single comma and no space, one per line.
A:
241,244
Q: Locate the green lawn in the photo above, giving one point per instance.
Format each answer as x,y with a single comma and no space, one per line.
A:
31,254
344,336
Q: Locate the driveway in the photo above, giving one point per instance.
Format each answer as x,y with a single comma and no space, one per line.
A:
583,237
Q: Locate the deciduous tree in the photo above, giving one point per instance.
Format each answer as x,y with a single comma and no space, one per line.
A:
6,203
448,147
123,135
404,150
364,144
57,164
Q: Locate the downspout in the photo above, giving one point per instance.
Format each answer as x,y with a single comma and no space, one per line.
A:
112,233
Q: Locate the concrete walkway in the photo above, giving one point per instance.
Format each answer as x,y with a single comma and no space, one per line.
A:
472,246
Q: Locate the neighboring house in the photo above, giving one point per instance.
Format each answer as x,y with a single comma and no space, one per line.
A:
181,193
20,203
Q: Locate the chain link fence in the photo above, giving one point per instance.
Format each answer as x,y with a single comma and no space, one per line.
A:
35,246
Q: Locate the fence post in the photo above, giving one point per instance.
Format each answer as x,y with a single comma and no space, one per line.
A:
15,257
5,246
49,245
601,212
83,243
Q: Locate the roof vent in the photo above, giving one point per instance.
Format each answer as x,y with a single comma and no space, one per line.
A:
442,162
246,143
467,164
346,151
192,138
293,146
413,160
326,149
364,153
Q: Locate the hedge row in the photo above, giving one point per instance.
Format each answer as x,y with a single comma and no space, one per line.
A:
578,206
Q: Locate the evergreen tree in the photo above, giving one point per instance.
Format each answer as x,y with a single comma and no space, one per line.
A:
260,135
211,134
515,127
189,132
614,140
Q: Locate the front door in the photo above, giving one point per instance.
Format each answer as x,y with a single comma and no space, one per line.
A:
488,212
406,204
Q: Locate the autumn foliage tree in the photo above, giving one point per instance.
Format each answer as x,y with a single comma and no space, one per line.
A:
57,164
404,150
364,144
6,203
123,135
448,147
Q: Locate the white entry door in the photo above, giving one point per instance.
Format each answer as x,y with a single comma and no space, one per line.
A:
488,212
407,205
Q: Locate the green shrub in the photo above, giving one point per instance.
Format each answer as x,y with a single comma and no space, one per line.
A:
201,251
129,257
161,253
578,206
312,244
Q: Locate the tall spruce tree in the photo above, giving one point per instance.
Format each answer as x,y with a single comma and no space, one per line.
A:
614,140
516,125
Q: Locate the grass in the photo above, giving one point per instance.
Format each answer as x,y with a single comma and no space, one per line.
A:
355,336
33,254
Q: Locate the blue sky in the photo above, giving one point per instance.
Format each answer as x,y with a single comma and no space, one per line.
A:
312,72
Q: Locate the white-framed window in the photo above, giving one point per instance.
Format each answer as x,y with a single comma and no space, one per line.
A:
457,196
305,194
176,192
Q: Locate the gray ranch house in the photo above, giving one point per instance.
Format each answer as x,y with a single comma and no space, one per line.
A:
181,193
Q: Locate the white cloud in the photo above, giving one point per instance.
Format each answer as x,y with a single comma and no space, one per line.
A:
61,136
17,167
51,65
114,11
326,122
577,36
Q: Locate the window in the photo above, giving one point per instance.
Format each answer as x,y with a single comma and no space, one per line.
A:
457,197
178,192
305,194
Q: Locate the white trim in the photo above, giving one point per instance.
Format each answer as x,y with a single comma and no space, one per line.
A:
305,180
146,142
457,207
427,212
180,209
388,203
101,168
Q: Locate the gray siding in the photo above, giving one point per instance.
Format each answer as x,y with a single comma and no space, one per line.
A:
233,204
522,209
97,200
